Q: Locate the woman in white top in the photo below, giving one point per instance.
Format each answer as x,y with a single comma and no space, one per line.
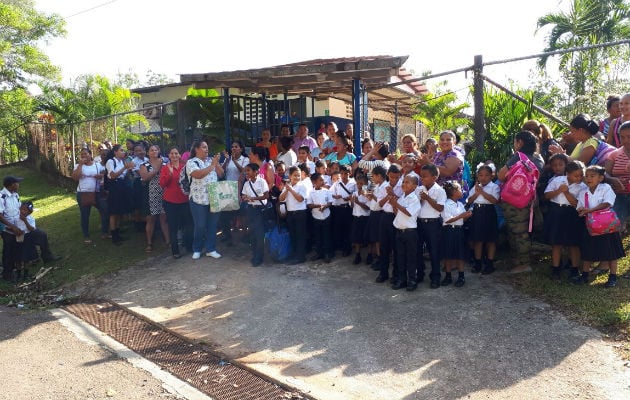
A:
202,171
234,167
89,174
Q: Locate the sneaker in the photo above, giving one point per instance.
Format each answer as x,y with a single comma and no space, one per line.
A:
612,281
213,254
196,255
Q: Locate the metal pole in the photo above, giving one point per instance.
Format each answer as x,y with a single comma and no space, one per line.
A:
480,129
226,117
395,144
115,131
534,106
73,145
356,114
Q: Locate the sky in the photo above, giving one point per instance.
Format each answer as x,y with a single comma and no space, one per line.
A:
197,36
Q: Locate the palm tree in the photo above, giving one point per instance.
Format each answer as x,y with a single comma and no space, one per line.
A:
587,22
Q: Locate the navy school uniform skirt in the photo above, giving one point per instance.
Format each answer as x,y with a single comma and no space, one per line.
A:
372,230
606,247
563,225
453,243
483,224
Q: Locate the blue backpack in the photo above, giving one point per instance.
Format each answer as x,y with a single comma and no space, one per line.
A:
278,243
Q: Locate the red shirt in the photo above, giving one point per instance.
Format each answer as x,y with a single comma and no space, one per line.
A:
170,184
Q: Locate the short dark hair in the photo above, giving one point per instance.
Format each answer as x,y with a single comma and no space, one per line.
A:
575,166
315,176
529,142
380,171
432,169
253,166
394,169
305,148
344,168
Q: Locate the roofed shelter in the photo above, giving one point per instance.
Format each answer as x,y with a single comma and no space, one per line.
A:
356,81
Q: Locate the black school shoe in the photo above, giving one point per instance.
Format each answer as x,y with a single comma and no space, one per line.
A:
357,259
369,259
434,284
581,279
448,279
460,282
381,278
612,281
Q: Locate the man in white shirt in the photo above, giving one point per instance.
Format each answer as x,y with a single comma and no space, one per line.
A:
9,217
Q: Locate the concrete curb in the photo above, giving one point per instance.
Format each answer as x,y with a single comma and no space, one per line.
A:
88,334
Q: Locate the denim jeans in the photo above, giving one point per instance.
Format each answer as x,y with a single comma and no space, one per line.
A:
178,217
101,206
205,227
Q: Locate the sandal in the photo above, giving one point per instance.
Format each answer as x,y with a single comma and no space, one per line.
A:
148,249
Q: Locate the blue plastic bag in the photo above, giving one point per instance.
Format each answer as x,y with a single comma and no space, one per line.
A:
278,243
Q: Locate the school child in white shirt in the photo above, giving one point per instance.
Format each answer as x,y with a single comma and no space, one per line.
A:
360,216
607,247
320,168
319,201
303,157
342,211
454,249
563,226
294,195
387,239
406,209
483,226
255,193
432,199
379,175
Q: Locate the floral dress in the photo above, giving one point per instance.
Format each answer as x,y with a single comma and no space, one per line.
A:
440,161
153,193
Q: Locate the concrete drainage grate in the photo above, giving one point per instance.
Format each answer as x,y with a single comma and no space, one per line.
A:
190,362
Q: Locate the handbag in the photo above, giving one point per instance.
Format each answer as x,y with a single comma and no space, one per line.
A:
223,196
268,211
601,222
88,199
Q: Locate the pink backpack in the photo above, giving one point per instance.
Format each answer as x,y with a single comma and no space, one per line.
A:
519,188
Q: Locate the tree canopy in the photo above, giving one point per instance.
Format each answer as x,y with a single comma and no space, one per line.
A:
22,30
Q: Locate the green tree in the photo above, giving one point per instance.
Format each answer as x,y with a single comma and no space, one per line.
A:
587,22
438,110
22,30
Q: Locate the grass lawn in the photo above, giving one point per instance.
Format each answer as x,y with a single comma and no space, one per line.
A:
57,213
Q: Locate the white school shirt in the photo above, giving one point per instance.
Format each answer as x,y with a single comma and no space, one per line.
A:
381,193
291,201
87,181
337,189
436,193
412,205
491,188
310,164
374,206
231,171
574,189
320,196
260,187
327,180
10,206
31,221
113,165
308,184
452,209
357,210
603,194
137,162
289,158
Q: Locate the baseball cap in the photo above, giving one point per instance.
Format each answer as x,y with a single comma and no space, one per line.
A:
10,180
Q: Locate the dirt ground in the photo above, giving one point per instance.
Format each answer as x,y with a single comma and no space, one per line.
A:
41,360
329,330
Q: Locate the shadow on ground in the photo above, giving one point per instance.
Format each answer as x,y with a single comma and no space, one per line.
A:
329,330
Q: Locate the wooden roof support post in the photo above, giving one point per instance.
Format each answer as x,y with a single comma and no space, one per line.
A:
226,117
479,126
356,115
